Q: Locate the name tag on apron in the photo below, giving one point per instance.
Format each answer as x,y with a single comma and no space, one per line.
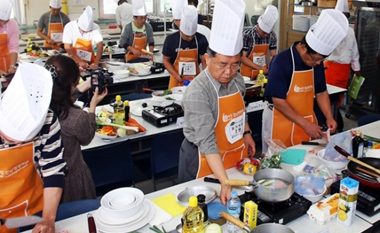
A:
84,55
234,129
259,59
56,36
189,68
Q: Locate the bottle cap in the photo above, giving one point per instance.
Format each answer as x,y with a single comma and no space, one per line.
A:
126,103
118,98
261,72
193,201
201,198
186,83
358,133
234,194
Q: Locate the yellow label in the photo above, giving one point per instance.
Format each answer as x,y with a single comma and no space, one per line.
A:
331,204
250,214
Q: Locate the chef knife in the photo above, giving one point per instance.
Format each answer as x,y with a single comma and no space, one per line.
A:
21,221
182,70
313,143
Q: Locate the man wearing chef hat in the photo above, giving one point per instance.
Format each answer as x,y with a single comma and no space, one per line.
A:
9,37
257,41
177,6
32,168
137,34
51,24
216,128
296,76
344,57
80,38
183,50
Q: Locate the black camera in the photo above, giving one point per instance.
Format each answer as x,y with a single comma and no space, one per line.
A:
100,78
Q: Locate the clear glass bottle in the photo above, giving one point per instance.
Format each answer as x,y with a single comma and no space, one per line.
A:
193,217
118,111
233,208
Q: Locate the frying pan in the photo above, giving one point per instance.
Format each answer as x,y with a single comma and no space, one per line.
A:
252,91
268,192
263,228
352,171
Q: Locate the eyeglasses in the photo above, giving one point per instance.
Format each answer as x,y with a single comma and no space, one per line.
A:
316,60
225,67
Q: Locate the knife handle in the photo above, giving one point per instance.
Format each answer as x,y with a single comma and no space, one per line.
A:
91,224
310,143
211,180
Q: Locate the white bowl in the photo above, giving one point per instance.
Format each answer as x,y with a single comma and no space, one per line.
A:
178,90
158,96
121,73
315,198
115,65
335,165
142,69
105,137
122,202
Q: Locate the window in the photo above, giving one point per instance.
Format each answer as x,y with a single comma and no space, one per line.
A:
107,8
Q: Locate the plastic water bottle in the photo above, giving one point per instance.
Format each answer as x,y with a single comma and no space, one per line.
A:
233,208
118,111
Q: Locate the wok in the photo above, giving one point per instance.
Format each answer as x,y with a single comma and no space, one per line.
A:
352,171
263,228
269,193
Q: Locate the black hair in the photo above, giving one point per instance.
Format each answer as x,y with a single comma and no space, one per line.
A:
121,2
212,53
67,77
309,50
194,2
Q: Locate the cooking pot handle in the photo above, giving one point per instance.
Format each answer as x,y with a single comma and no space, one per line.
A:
235,221
240,183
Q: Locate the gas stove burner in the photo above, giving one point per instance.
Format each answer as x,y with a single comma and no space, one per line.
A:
163,115
278,212
169,109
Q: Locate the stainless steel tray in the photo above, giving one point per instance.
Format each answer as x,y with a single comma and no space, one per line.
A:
183,197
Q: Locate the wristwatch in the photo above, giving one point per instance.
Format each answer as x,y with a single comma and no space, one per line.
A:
247,132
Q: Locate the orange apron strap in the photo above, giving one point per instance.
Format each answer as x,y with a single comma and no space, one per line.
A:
5,60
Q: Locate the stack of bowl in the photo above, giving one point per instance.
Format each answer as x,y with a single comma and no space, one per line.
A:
123,210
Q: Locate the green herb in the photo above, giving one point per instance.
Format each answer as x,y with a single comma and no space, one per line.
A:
169,98
157,230
167,92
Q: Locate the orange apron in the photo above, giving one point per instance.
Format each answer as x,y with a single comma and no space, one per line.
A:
188,61
83,49
301,97
5,60
138,43
337,74
23,194
258,56
55,32
229,130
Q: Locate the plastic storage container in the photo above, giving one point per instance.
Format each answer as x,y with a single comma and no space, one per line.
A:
301,23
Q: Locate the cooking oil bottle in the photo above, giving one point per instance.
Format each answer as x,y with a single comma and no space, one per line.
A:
193,217
260,79
118,111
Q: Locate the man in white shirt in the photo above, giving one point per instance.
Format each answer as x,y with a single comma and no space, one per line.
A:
124,14
80,37
345,56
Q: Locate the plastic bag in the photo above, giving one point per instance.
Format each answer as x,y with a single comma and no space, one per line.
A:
344,140
272,159
309,185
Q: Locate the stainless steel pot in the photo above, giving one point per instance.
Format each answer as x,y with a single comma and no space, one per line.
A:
263,228
268,192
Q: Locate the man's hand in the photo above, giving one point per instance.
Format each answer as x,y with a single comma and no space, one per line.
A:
94,66
250,144
331,123
135,51
225,193
50,41
46,226
313,130
83,64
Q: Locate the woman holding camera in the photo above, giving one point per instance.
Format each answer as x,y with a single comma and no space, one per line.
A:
77,126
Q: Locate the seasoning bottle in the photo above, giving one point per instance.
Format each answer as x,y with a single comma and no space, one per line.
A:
203,205
358,145
118,111
193,217
127,113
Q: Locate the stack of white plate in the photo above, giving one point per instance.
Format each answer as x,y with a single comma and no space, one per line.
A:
123,210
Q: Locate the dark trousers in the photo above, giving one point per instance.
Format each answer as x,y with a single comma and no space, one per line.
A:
188,162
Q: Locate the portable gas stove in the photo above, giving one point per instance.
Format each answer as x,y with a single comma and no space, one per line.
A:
368,199
280,212
161,116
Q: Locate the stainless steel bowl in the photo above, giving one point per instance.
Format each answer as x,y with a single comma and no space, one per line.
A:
183,197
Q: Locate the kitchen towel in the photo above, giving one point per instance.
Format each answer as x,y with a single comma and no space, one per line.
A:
160,216
169,204
293,156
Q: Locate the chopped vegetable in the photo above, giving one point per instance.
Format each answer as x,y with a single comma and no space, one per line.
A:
213,228
121,132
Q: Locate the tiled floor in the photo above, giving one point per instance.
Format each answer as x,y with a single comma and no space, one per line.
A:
146,184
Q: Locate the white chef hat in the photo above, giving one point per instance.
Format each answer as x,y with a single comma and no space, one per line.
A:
329,30
267,20
226,35
342,6
85,20
56,4
177,6
139,8
25,103
5,10
189,20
